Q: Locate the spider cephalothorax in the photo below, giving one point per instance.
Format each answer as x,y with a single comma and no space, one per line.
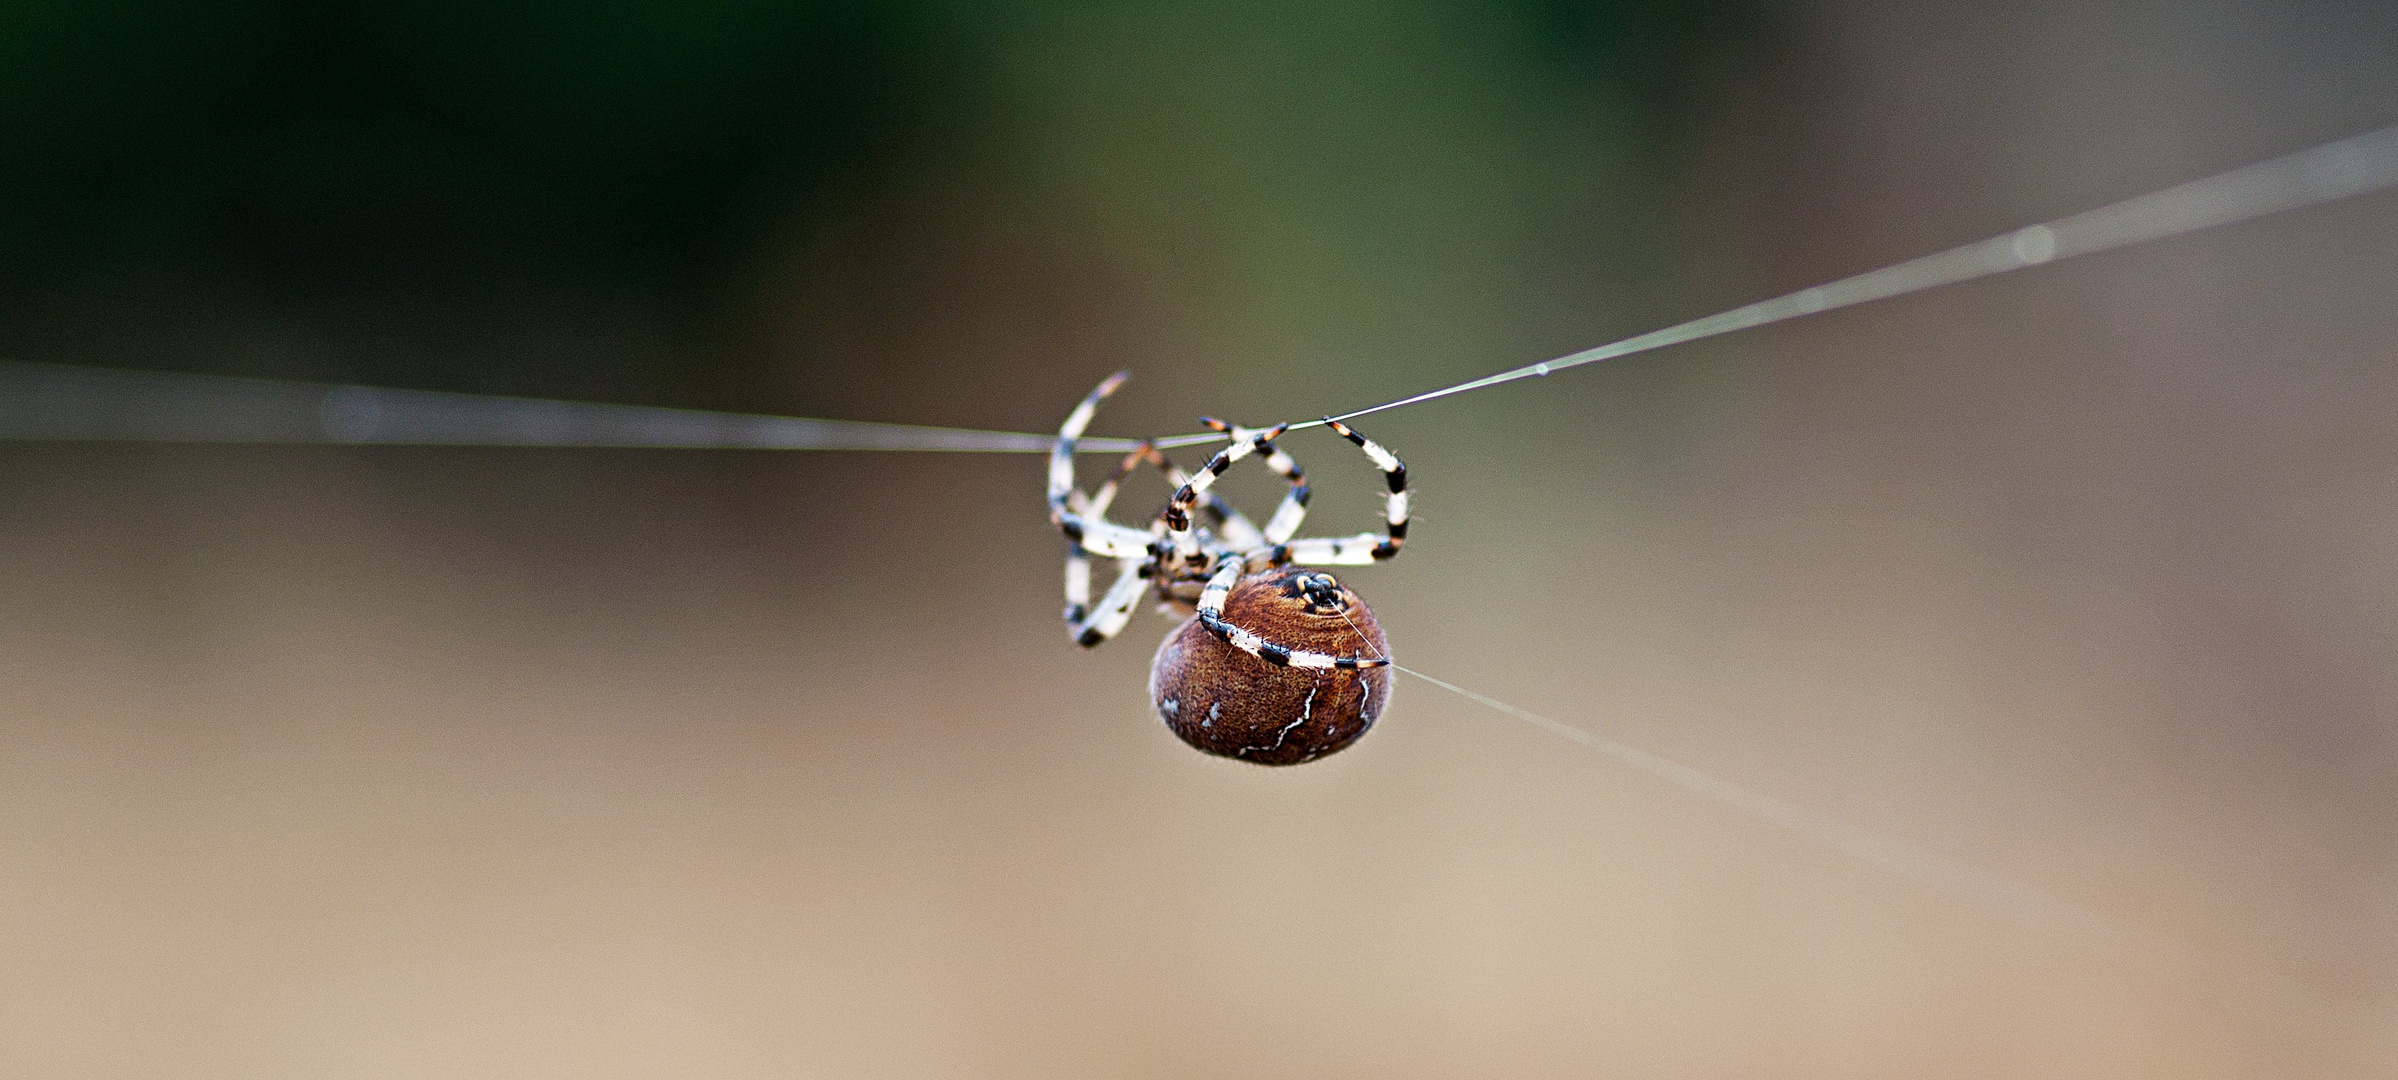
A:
1277,664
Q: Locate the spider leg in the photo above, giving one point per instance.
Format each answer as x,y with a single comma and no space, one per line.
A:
1364,547
1211,615
1088,531
1358,550
1103,498
1178,510
1234,525
1114,609
1084,522
1078,584
1061,457
1293,509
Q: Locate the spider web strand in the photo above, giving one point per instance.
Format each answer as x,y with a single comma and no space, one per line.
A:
2357,165
2012,900
57,402
64,403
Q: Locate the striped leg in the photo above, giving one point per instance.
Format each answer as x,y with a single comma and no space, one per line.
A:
1178,510
1061,456
1211,615
1078,584
1079,549
1363,547
1090,532
1293,510
1114,609
1099,502
1236,527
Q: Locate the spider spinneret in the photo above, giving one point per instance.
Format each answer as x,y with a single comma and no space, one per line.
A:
1277,664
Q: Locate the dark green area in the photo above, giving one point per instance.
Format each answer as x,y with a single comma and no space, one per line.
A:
326,148
335,162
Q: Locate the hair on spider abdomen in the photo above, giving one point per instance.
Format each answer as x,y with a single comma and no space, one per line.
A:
1228,702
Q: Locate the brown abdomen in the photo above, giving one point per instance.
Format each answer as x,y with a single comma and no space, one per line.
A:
1229,703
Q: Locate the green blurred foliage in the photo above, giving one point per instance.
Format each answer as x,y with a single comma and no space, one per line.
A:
1361,173
400,145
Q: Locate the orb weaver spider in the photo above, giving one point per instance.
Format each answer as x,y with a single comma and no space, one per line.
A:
1266,667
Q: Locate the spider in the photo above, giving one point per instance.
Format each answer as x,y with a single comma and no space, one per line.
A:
1264,669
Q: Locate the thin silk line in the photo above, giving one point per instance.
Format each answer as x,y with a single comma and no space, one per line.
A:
64,403
2010,899
49,402
2357,165
1362,639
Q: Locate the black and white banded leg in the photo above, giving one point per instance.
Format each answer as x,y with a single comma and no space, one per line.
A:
1115,608
1211,615
1078,584
1235,526
1090,533
1293,509
1364,547
1178,510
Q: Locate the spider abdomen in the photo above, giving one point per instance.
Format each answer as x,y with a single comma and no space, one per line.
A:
1228,702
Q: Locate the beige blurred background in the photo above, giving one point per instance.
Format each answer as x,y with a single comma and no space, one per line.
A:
379,762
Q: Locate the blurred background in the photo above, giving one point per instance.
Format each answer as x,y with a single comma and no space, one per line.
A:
375,761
